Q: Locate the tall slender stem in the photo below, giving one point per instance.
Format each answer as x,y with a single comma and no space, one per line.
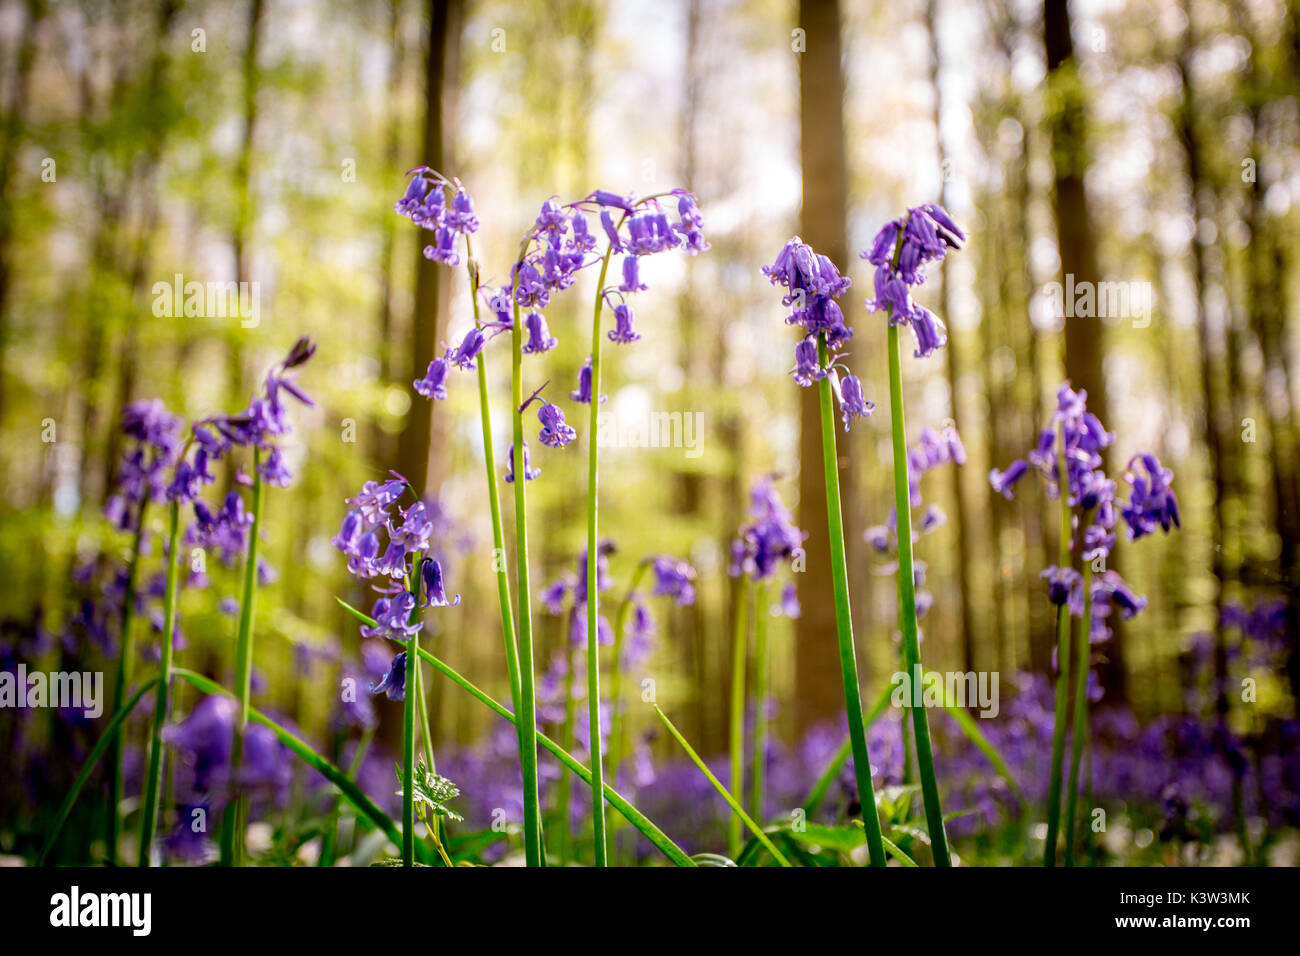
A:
739,651
758,796
1062,664
1082,649
527,693
844,619
565,795
907,605
499,563
149,816
617,723
410,698
126,650
593,599
235,822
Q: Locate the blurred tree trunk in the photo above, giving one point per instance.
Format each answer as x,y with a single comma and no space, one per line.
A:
1212,402
1076,242
819,693
382,442
966,631
415,443
12,125
240,239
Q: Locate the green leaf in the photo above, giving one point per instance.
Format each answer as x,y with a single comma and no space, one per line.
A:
114,725
433,791
712,859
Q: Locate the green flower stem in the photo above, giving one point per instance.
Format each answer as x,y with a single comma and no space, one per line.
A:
844,619
527,691
126,650
494,499
817,794
1063,669
739,651
410,699
758,795
617,724
565,795
237,811
593,599
153,780
907,606
111,734
726,795
1081,662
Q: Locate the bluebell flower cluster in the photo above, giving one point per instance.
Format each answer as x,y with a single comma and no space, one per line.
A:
900,252
1076,437
154,436
812,284
376,515
425,204
769,539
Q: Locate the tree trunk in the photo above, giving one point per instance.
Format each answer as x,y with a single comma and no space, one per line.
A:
819,693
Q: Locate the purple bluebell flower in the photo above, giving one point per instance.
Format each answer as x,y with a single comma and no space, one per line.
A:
1061,583
690,222
392,615
807,366
554,594
552,219
900,251
649,232
631,276
555,433
611,231
604,197
582,394
1152,503
435,591
789,604
273,470
675,579
529,473
464,354
853,404
444,247
623,331
1004,482
460,216
539,336
434,383
582,239
393,686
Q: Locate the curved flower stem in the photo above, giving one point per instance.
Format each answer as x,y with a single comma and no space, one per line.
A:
844,619
527,691
593,599
758,795
1062,664
126,649
149,814
739,650
1082,649
907,605
617,725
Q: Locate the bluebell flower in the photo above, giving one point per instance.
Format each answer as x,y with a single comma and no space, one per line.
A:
464,354
853,404
393,686
444,248
555,433
529,473
807,367
674,578
582,394
434,383
435,591
539,336
623,331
